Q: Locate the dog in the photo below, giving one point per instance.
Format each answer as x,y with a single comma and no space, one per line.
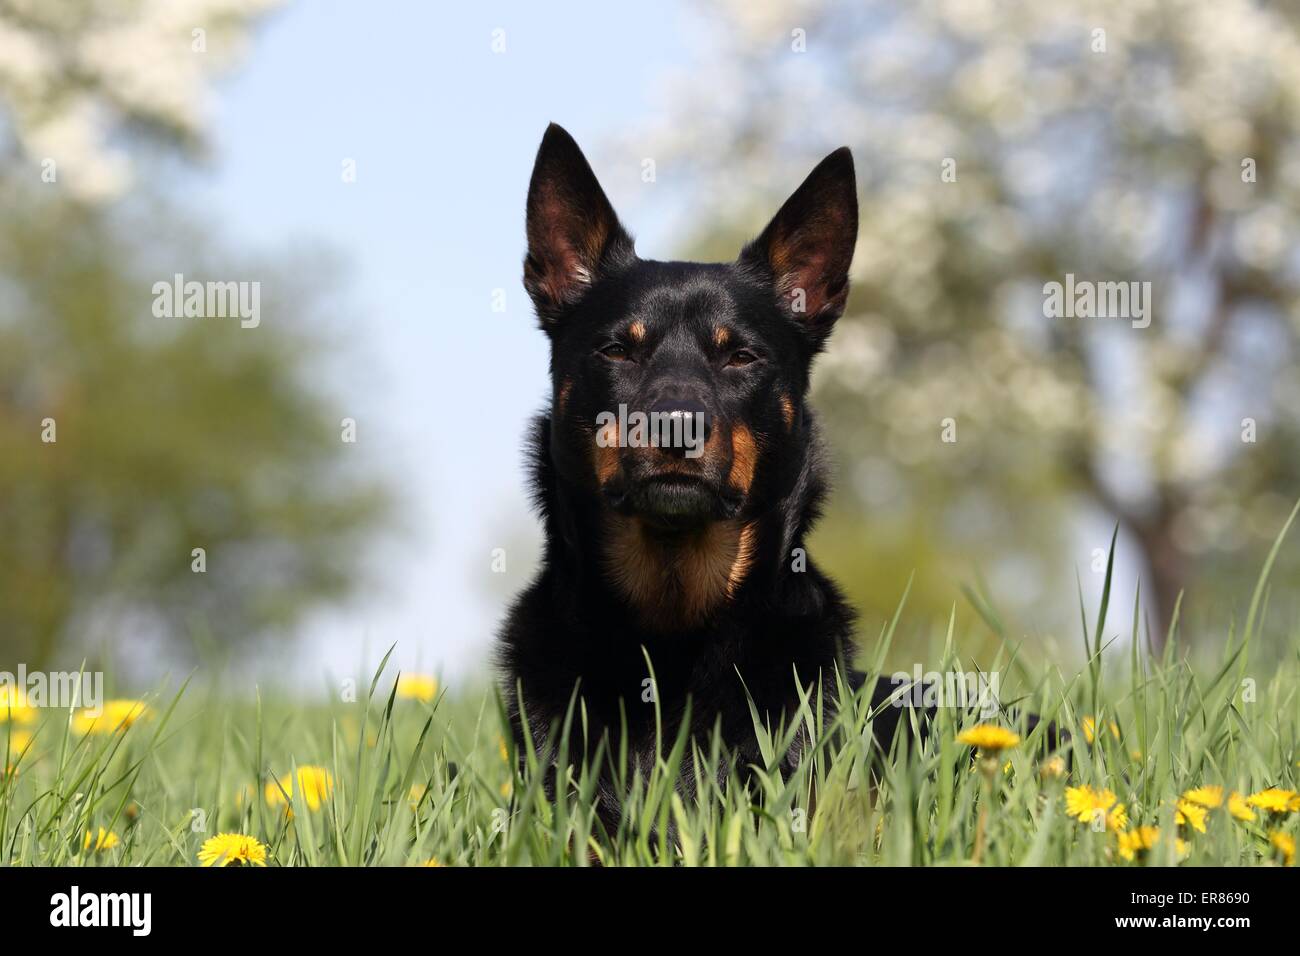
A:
677,571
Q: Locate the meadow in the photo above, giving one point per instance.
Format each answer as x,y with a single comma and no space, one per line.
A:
1167,762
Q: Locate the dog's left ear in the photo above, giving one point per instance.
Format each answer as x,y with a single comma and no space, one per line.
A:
806,249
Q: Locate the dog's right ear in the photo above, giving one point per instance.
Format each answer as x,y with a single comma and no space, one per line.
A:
574,235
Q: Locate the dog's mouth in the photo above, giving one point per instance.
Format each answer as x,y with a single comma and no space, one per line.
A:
673,500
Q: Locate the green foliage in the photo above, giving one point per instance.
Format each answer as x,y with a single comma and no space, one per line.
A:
82,79
1000,147
414,780
171,434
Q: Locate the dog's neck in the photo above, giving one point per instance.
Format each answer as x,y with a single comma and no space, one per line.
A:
674,581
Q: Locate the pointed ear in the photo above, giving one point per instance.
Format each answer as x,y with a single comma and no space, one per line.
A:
574,235
806,249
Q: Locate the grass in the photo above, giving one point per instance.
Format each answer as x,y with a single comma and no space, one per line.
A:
398,779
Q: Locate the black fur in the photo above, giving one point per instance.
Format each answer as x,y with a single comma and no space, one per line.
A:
781,623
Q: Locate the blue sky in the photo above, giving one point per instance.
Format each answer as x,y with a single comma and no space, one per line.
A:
443,132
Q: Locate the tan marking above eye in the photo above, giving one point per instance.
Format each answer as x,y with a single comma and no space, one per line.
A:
721,336
637,331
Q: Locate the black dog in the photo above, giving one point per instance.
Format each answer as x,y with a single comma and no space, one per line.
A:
694,561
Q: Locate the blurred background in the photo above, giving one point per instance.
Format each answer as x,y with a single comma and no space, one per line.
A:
366,164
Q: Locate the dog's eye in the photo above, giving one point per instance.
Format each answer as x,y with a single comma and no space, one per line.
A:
616,352
741,357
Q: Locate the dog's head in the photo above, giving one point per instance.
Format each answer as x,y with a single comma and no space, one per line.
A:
679,387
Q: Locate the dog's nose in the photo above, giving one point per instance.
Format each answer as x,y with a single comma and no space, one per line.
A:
684,425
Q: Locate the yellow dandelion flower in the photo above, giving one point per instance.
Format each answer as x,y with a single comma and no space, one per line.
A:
1053,769
1139,841
416,794
18,740
104,840
314,783
1086,804
14,706
232,849
1284,843
1116,818
988,737
503,749
1274,800
1240,808
432,861
417,687
115,715
1209,797
1090,729
1190,814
